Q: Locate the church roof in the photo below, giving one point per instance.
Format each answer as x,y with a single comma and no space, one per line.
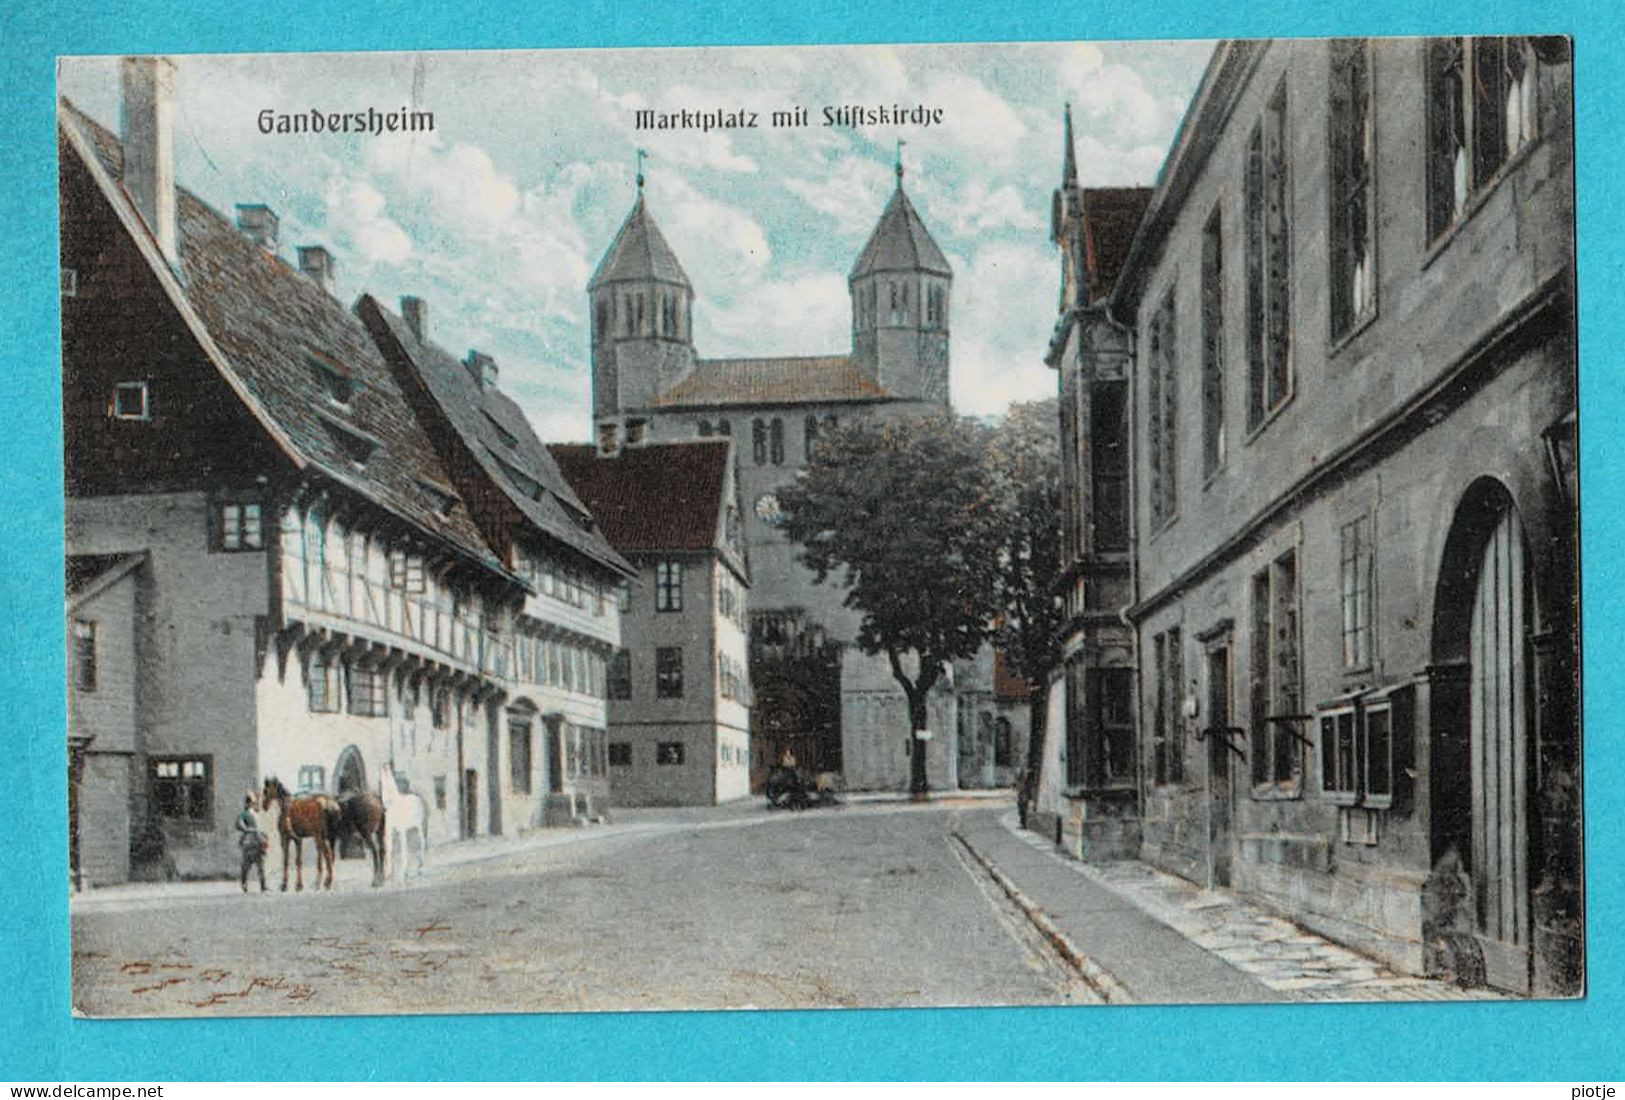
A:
901,242
791,381
658,496
639,252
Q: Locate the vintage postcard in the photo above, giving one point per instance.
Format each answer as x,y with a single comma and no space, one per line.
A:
1015,524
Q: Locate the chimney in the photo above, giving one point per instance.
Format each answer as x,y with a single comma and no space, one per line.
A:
482,367
317,262
148,137
415,312
258,223
609,437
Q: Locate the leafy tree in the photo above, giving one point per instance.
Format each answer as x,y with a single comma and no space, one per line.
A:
907,514
1027,465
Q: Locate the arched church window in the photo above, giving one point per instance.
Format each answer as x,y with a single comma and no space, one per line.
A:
809,437
778,442
724,428
896,309
638,300
758,441
626,314
705,427
602,326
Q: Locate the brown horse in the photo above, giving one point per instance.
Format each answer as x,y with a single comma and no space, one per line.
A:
363,814
316,816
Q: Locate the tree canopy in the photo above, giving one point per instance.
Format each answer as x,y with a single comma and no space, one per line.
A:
908,514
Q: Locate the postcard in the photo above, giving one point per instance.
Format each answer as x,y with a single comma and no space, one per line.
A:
816,527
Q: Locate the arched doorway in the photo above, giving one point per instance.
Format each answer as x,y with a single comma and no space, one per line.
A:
1481,744
350,777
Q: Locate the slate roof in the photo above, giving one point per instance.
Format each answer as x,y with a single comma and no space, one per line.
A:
1111,216
639,252
658,496
273,333
787,381
901,242
499,435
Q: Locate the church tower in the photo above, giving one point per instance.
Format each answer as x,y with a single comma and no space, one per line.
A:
642,325
900,289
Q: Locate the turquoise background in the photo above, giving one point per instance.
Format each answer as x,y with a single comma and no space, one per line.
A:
1571,1041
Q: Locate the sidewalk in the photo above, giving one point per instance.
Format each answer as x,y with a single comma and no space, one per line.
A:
1167,940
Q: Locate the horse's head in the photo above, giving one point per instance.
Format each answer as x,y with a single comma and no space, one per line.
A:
273,791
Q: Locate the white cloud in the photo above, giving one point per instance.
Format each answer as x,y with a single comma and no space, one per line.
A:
810,315
1004,308
355,213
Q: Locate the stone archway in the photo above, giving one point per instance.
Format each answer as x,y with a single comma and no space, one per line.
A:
1482,741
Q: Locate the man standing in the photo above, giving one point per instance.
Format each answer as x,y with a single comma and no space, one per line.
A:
252,841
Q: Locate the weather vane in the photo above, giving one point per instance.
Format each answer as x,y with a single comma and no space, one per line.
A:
641,155
900,144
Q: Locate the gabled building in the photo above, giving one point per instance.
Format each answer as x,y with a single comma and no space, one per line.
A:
1347,317
679,689
816,695
276,571
552,755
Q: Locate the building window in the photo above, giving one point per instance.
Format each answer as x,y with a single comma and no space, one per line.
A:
179,789
669,672
758,442
1002,743
1357,753
1269,230
1162,418
439,792
669,752
439,708
1110,698
704,428
84,654
809,437
776,436
322,684
1481,110
623,595
1276,691
669,586
312,777
1358,574
620,754
334,379
239,526
1213,437
620,674
70,283
354,446
369,691
1108,464
1168,721
406,571
519,766
1353,212
131,401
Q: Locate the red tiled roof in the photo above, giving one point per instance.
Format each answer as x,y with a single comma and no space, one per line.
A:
804,380
269,323
658,496
1111,216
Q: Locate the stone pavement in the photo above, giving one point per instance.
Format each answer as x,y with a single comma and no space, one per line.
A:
1277,959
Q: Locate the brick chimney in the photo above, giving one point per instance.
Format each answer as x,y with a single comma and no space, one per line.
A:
415,312
482,367
317,262
148,137
258,223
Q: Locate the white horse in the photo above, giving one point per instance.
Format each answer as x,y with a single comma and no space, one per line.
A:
406,813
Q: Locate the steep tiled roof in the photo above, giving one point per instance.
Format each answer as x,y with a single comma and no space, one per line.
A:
639,251
805,380
1111,216
660,496
498,433
901,242
278,337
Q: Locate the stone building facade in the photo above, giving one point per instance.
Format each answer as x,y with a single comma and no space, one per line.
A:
679,687
815,694
1349,318
275,569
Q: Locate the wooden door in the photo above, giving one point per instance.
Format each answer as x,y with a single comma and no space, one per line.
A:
1499,748
471,802
1218,762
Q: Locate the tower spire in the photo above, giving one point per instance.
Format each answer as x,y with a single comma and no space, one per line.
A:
1069,166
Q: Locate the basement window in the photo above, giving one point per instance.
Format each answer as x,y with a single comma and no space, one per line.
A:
131,401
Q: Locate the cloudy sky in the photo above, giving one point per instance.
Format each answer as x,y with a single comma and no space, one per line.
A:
499,216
